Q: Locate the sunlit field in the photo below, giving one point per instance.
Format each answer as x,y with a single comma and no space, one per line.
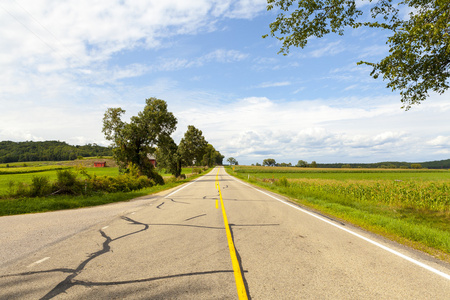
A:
410,206
19,177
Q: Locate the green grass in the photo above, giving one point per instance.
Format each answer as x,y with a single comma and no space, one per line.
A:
344,174
362,176
34,169
19,173
185,171
414,211
5,179
26,176
52,203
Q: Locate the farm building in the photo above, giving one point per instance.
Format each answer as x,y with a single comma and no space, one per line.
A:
100,164
152,159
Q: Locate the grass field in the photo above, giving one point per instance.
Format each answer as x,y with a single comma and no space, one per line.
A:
52,203
24,173
409,206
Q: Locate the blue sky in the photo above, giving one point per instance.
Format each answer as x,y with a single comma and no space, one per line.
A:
63,63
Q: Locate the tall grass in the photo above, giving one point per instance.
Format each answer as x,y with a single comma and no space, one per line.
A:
420,195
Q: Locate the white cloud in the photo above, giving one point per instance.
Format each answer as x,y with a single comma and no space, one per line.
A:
374,50
329,49
441,141
69,38
64,62
274,84
218,55
84,30
245,9
254,128
224,56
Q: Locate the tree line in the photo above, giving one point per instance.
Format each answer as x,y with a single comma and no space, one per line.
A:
440,164
47,151
149,134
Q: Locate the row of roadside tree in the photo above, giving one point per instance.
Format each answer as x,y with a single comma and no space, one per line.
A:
149,134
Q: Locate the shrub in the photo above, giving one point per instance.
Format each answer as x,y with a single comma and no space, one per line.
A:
197,170
40,186
121,183
67,182
21,190
282,182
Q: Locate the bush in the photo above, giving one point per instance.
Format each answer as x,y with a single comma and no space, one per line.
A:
67,183
40,186
197,170
282,182
21,190
121,183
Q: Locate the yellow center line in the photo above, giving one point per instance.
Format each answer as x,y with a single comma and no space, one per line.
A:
242,292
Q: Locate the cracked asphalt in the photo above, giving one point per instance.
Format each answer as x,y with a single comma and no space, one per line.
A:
173,245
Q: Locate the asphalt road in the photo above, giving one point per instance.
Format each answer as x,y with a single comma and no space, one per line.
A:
175,245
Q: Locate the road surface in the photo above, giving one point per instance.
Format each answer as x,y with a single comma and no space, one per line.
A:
214,238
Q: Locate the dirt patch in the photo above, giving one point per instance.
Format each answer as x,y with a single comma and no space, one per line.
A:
89,162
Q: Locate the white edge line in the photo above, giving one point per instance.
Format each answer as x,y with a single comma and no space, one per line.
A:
38,262
427,267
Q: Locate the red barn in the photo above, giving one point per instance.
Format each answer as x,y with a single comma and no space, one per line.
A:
152,159
100,164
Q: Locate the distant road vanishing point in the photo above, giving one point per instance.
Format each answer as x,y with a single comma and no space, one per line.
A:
214,238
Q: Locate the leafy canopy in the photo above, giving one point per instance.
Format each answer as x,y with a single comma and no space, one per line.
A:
169,156
132,142
269,162
212,157
419,47
232,161
193,146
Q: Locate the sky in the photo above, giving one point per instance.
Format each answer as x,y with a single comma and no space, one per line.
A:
63,63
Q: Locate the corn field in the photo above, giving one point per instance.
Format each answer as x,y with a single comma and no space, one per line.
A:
428,195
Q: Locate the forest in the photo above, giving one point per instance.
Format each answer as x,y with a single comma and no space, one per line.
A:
47,151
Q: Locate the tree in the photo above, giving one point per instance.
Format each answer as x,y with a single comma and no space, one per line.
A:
301,164
132,142
212,157
232,161
169,157
269,162
193,146
313,164
419,59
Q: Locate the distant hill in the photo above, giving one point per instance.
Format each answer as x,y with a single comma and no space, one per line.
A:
47,151
438,164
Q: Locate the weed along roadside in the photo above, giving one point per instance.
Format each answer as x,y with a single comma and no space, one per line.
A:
413,210
66,188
